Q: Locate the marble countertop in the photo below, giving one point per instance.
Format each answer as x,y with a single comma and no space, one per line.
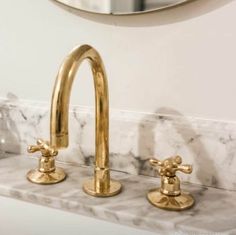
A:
213,213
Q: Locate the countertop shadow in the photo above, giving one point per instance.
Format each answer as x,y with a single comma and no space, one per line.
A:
206,171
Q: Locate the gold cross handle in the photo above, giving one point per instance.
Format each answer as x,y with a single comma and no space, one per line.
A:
47,172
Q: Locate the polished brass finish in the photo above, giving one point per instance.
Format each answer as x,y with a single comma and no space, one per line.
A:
114,188
173,203
169,196
101,185
46,173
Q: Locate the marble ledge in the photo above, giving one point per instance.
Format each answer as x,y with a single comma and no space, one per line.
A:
213,213
209,145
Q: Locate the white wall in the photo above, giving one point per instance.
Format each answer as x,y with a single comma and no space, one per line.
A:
183,59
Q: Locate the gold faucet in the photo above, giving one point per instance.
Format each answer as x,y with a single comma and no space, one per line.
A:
169,196
101,185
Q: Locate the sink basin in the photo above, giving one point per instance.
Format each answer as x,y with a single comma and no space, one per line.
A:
23,218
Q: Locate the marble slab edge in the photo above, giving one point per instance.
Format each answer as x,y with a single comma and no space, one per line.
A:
209,145
213,213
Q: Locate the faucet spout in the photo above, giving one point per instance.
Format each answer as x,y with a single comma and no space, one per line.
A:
101,185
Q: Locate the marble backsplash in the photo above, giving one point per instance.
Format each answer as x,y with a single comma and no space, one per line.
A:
209,145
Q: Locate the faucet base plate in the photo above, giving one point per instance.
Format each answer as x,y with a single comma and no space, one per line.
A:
38,177
175,203
89,188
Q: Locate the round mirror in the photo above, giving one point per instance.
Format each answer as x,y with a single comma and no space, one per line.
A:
121,7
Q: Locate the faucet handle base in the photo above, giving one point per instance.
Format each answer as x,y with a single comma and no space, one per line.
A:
174,203
114,189
38,177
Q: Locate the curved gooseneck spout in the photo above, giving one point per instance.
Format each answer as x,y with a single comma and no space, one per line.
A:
101,185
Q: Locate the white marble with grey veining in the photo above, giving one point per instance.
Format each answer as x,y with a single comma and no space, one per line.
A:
209,145
213,213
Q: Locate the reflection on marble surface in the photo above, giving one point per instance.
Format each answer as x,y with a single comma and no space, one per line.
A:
9,135
213,213
134,137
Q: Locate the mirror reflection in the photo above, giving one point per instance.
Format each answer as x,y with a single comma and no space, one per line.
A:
121,7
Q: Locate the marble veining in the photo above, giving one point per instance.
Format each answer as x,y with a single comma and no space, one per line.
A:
209,145
213,213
